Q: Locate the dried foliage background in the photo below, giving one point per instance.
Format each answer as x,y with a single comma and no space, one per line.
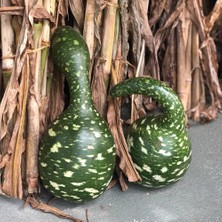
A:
178,42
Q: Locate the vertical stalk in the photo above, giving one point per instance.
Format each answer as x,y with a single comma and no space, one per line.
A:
188,64
115,123
33,126
7,39
17,189
88,31
50,7
196,84
136,100
108,38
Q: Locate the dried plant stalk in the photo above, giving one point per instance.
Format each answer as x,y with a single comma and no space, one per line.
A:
188,61
196,84
169,69
102,68
213,16
109,26
77,9
114,119
88,31
181,65
17,186
10,123
39,205
33,125
8,40
209,60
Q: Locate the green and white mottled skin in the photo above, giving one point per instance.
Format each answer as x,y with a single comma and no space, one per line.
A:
159,144
77,154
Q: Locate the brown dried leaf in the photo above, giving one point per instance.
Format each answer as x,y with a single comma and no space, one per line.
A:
39,205
209,114
18,2
209,62
171,22
213,16
156,9
126,163
125,28
39,12
146,32
63,8
99,92
169,71
77,9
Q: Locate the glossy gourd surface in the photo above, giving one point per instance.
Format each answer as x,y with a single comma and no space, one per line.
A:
159,144
77,155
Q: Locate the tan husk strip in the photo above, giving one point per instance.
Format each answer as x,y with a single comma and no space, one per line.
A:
102,66
213,16
208,61
196,83
88,31
8,40
113,117
77,9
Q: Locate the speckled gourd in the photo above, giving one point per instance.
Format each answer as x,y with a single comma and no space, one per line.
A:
159,144
77,155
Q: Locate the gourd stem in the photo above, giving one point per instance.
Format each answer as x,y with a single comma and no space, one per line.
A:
164,95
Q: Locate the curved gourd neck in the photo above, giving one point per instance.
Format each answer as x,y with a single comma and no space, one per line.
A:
71,56
173,111
80,96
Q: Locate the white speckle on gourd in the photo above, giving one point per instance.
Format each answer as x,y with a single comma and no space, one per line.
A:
90,147
56,185
78,183
141,141
76,127
97,134
138,168
110,150
52,133
91,190
55,147
147,168
44,164
93,170
164,152
159,178
144,150
68,173
82,161
99,156
164,169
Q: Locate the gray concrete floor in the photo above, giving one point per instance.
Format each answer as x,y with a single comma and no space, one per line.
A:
196,198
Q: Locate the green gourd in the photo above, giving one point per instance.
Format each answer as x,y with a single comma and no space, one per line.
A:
159,144
77,154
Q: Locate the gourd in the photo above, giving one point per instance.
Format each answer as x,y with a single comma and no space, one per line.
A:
159,143
77,154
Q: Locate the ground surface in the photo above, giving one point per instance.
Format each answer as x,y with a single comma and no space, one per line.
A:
196,198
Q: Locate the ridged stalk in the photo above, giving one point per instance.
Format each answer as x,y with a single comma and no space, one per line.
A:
7,39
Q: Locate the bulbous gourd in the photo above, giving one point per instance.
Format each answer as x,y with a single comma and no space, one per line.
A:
77,155
159,144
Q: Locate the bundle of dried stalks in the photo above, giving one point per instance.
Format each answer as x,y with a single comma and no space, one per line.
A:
167,40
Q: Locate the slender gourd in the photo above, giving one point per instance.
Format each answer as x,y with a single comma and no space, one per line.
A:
159,144
77,154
